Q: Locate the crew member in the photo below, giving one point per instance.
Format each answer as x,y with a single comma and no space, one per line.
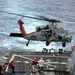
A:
11,65
34,63
41,63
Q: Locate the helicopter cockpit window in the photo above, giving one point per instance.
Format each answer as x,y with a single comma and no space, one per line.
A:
66,31
60,31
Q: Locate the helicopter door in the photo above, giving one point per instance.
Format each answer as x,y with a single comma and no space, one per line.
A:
48,33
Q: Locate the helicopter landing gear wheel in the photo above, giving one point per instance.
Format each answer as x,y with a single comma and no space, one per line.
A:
47,43
27,43
63,44
38,29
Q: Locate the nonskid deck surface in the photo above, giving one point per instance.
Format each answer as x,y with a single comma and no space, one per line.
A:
55,63
45,73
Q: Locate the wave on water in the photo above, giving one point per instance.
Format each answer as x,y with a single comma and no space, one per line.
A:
61,9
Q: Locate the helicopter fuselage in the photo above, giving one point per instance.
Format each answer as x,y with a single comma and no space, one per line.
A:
50,34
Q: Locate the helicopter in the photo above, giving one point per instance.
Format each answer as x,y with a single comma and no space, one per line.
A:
48,33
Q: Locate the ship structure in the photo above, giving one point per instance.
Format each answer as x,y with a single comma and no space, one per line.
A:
55,63
71,61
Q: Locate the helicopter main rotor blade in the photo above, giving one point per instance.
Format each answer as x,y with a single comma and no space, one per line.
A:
40,17
47,19
22,15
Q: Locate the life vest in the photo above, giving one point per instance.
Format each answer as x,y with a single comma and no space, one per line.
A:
34,62
10,64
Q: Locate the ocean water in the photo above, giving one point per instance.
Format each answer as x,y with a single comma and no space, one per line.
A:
63,10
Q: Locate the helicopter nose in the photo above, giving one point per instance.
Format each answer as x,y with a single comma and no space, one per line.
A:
65,38
68,38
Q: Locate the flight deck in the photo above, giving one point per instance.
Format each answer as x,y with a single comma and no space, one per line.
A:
55,63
